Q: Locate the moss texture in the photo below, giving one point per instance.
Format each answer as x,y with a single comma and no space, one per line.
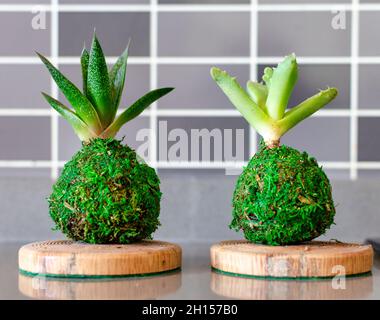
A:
105,195
282,197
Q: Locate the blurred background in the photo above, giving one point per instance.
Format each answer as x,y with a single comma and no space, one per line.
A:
174,43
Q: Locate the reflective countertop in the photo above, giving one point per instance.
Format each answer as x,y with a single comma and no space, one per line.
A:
195,281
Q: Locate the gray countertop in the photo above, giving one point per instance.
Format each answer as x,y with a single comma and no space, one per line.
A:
195,281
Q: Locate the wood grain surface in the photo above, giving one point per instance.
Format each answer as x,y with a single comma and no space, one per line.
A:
311,259
76,259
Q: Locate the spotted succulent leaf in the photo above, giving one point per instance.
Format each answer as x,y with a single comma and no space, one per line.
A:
79,102
79,126
85,57
98,83
117,77
134,110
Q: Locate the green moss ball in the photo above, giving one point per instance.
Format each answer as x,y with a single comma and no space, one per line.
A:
282,197
105,195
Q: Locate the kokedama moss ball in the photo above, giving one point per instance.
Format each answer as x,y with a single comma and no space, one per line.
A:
282,197
105,195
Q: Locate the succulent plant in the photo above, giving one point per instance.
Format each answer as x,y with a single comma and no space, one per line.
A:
283,196
104,194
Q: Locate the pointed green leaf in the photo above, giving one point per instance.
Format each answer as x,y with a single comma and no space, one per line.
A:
117,77
80,103
134,110
306,109
85,57
98,83
281,85
81,129
256,117
258,93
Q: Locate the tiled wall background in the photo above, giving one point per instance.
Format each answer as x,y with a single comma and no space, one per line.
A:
174,43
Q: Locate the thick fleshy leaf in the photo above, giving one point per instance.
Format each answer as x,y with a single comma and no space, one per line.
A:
281,84
81,129
80,103
117,77
134,110
255,116
85,57
98,84
258,93
306,109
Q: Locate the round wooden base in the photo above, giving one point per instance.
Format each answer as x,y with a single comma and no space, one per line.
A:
65,258
313,259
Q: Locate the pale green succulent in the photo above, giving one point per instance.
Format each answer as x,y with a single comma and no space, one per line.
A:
264,104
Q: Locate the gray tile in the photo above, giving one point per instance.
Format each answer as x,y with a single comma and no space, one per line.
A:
369,80
305,33
77,28
136,82
190,34
326,139
337,174
368,144
368,37
23,138
21,86
312,78
372,174
69,143
369,1
194,87
301,1
24,40
104,1
24,1
202,1
25,172
176,131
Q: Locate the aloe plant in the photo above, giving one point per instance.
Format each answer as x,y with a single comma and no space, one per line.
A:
104,194
282,196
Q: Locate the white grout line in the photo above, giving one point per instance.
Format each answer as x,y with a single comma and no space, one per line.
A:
25,112
153,82
54,36
302,7
253,66
25,164
332,165
75,60
354,90
192,112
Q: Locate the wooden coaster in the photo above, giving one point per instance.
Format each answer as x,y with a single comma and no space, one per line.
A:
99,289
307,260
65,258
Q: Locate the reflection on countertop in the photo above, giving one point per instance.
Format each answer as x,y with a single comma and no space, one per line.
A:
195,281
262,289
153,287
